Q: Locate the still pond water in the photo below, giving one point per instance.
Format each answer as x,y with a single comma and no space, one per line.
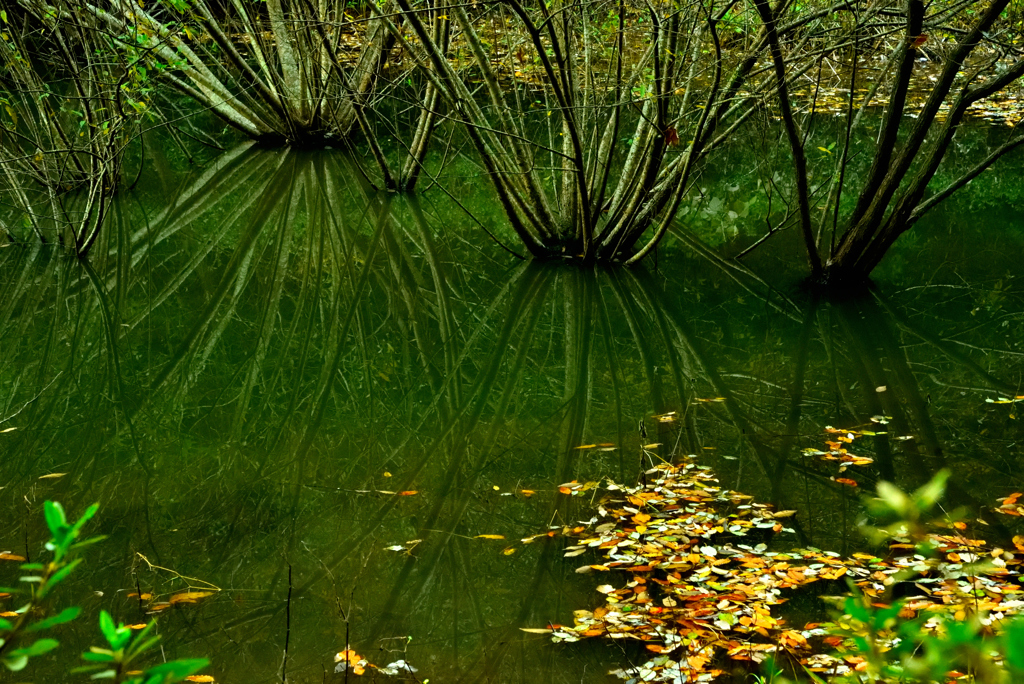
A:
265,356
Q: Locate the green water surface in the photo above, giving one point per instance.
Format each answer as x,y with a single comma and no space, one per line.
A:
263,347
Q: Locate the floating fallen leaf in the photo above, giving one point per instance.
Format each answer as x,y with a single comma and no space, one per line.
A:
7,555
397,667
586,446
350,659
509,551
846,481
489,536
140,625
8,613
408,493
199,678
52,476
527,492
10,429
189,597
536,630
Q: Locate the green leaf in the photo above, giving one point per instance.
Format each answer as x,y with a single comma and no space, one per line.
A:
66,615
88,542
15,663
55,519
176,670
59,576
98,655
893,497
141,646
930,493
1013,640
86,516
38,648
107,627
105,674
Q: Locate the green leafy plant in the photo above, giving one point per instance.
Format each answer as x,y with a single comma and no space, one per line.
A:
38,582
116,663
118,660
884,640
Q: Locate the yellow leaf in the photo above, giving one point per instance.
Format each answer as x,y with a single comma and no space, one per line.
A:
527,492
52,476
826,151
199,678
536,630
189,597
509,551
489,536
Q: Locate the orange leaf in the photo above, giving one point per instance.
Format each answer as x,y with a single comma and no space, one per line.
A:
199,678
189,597
846,481
527,492
7,555
408,493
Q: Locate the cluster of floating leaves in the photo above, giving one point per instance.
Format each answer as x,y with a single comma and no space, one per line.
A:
838,444
701,586
350,661
156,604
